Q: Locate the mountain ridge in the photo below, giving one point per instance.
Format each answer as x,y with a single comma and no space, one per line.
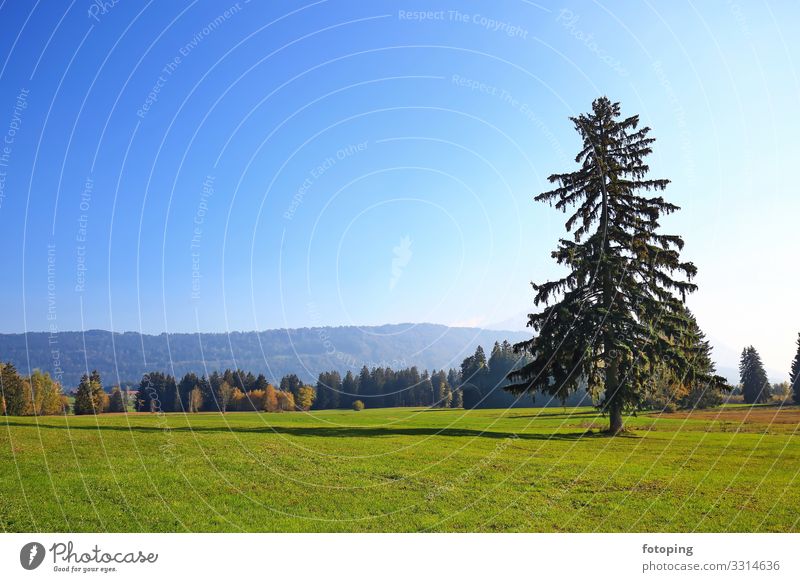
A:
123,357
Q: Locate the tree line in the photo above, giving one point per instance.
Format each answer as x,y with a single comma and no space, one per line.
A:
37,394
479,382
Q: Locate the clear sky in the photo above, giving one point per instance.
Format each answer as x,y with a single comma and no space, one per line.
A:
214,166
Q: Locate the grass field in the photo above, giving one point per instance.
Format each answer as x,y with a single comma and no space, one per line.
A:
732,469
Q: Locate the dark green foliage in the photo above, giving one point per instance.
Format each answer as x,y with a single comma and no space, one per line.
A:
116,402
364,384
442,390
753,377
454,381
157,393
186,387
794,374
490,378
474,367
329,389
15,392
691,382
613,318
423,391
502,361
696,369
349,390
370,386
291,383
260,383
471,396
89,397
208,398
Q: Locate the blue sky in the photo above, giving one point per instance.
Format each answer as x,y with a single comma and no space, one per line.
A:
236,166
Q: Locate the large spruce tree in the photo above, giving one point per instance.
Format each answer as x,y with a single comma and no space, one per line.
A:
755,384
794,374
617,311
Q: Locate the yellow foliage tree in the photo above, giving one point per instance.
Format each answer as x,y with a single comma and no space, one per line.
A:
271,399
285,401
305,397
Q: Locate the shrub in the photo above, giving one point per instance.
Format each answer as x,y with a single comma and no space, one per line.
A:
358,405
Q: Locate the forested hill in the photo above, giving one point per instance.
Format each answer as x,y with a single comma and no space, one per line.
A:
124,357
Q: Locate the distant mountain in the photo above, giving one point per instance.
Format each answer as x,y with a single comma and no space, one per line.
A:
124,357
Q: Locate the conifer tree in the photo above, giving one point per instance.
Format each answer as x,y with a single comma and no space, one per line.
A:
89,396
349,390
794,374
755,385
445,395
291,383
186,388
610,320
15,392
116,402
696,369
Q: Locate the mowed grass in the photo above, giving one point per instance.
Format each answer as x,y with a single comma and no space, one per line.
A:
539,470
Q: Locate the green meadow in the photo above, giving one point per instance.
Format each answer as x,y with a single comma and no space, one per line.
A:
403,470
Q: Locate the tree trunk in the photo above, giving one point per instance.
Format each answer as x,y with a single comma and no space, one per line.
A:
615,414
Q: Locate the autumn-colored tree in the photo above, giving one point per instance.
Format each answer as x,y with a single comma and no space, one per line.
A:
238,401
255,399
285,401
195,399
47,394
106,403
305,397
15,392
270,399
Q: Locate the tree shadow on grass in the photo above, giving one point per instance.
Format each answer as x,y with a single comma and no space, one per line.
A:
556,415
331,432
